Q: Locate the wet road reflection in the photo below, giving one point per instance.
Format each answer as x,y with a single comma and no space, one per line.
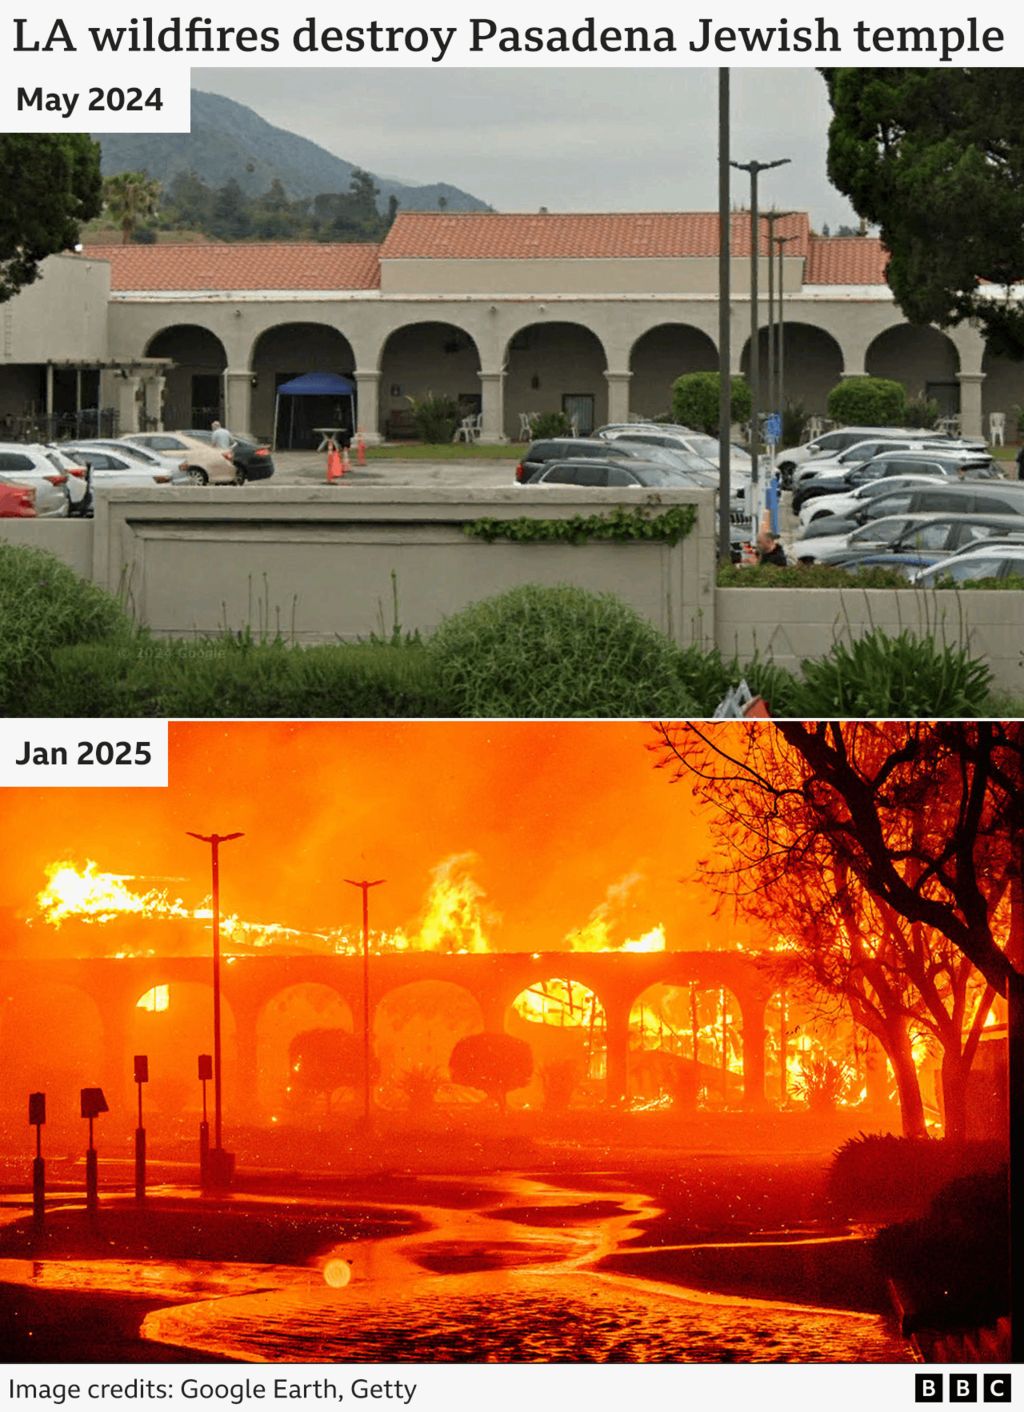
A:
512,1281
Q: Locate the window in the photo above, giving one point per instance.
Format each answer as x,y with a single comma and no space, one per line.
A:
12,461
620,477
894,504
581,474
983,567
937,536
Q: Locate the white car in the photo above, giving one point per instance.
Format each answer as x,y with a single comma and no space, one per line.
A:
843,503
835,467
982,561
141,455
832,443
112,470
42,472
77,485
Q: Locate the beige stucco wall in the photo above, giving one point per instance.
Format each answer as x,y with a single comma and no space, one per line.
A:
320,563
793,625
60,318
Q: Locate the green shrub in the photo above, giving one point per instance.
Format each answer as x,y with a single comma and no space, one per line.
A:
549,424
951,1267
695,401
877,1173
808,576
45,605
436,417
902,676
794,423
224,678
870,402
922,412
561,651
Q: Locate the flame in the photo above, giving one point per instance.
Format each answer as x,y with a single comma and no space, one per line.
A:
453,919
90,895
561,1003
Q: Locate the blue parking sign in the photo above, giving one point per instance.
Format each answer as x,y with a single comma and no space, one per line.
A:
772,427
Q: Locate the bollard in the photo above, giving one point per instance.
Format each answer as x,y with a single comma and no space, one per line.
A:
204,1154
140,1165
92,1182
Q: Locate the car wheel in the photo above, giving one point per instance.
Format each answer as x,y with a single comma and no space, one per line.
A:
198,476
239,476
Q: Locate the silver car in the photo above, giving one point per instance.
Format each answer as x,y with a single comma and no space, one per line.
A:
30,466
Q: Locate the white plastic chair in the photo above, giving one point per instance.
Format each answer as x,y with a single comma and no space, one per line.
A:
464,431
525,426
997,428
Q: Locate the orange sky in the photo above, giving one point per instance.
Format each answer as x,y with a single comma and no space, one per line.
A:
554,814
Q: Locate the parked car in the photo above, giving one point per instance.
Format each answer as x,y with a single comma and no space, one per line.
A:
862,451
676,438
999,560
952,466
109,470
831,443
938,533
843,504
33,467
141,455
253,458
77,483
17,502
206,465
565,448
615,474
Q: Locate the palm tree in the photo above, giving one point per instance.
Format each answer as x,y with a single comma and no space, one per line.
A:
130,197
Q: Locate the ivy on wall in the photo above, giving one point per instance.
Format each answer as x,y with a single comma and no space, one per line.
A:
623,526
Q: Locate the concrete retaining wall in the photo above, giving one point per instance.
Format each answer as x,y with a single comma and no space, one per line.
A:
791,625
323,564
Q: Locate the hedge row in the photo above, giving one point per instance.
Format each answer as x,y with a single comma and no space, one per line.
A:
67,649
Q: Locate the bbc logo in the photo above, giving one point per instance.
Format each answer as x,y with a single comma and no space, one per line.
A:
963,1387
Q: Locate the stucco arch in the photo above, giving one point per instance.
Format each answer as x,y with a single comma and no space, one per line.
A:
565,1023
52,1040
282,351
925,360
659,356
194,386
305,1005
171,1035
415,1028
548,363
423,357
812,360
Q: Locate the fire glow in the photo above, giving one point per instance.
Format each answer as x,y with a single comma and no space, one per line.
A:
454,918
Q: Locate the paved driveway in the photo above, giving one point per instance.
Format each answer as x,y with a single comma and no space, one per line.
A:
304,468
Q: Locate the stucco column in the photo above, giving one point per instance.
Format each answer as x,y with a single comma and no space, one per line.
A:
368,404
153,400
753,1054
618,395
492,393
617,1041
238,399
970,403
126,400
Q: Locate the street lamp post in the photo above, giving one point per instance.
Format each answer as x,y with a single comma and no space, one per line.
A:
754,169
724,324
219,1165
365,886
780,242
771,217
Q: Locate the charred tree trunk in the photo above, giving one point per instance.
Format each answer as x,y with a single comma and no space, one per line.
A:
955,1073
908,1085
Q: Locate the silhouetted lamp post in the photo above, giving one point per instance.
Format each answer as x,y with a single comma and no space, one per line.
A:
36,1118
205,1074
754,169
141,1072
220,1164
93,1103
365,888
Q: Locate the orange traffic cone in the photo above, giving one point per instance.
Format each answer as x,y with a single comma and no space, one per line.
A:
360,450
335,468
346,464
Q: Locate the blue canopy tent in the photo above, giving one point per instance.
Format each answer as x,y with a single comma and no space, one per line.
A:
313,385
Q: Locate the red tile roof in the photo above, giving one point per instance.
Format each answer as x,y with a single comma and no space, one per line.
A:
239,267
659,235
846,259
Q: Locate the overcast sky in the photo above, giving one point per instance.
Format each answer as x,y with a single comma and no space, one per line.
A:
596,140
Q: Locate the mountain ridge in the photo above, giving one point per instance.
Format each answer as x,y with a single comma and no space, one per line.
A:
229,140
